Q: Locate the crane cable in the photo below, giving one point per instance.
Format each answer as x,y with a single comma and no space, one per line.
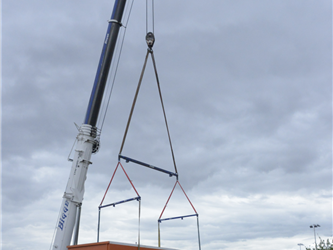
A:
114,66
150,39
165,118
149,51
152,16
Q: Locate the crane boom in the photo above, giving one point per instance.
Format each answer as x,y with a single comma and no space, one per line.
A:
104,63
74,191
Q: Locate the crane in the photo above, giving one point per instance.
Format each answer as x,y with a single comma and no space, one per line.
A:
87,139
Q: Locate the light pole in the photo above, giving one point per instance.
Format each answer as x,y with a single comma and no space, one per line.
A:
314,231
300,244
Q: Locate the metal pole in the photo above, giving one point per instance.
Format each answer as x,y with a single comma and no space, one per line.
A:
98,224
159,234
139,224
314,232
198,232
77,226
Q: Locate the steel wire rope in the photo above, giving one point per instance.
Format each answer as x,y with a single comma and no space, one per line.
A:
139,83
165,118
153,16
116,66
138,198
166,204
149,51
133,104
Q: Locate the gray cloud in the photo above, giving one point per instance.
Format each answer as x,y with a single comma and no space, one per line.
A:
247,91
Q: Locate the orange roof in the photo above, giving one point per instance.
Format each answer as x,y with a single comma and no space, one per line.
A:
106,245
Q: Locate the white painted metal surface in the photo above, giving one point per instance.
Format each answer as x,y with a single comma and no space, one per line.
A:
74,192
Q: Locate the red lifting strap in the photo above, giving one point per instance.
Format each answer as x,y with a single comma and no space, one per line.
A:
112,179
171,195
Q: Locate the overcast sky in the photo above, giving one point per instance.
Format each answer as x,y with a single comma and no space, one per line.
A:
247,88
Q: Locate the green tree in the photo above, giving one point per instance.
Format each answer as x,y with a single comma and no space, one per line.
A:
328,245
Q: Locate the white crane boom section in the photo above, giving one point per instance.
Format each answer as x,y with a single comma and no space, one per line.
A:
73,195
86,139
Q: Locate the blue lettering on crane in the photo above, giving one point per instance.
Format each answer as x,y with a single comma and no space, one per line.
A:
63,216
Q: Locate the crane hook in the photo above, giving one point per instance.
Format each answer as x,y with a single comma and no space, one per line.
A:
150,39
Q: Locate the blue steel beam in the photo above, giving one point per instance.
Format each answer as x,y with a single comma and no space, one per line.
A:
120,202
178,217
127,159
